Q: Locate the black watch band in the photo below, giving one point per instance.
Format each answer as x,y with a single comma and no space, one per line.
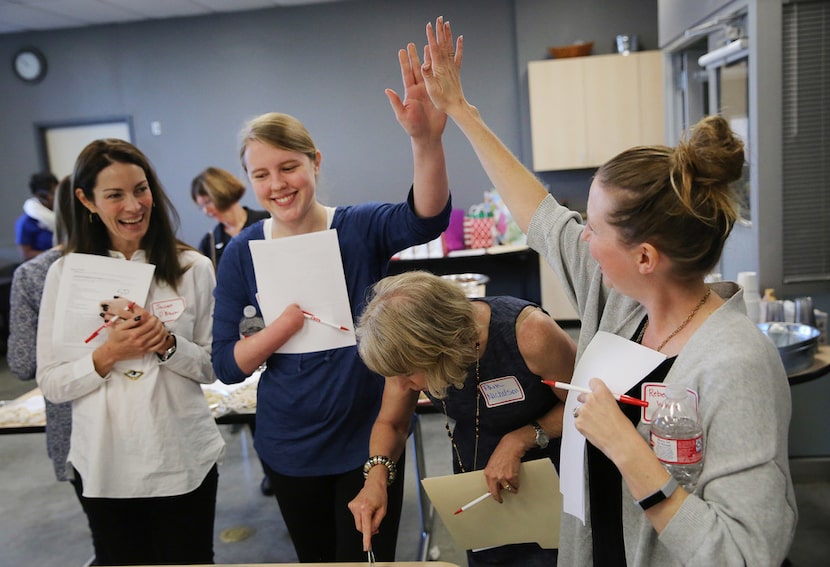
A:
665,492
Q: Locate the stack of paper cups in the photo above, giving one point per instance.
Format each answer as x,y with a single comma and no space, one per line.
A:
752,298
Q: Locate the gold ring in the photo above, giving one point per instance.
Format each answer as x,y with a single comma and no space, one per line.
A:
576,412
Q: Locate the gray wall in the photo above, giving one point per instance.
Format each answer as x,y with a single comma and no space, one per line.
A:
327,64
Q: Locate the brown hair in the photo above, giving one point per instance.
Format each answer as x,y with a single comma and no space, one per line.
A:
88,234
219,185
679,199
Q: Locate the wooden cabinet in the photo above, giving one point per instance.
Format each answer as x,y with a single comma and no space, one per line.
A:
585,110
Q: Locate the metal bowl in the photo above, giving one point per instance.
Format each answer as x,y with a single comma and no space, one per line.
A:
473,285
797,344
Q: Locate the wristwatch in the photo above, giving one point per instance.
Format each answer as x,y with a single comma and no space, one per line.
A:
542,438
665,492
169,352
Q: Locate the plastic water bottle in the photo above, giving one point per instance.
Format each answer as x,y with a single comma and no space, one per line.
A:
677,437
251,324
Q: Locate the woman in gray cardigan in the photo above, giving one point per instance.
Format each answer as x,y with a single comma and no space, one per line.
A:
658,218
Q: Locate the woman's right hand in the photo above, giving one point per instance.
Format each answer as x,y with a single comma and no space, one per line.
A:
135,333
442,67
369,509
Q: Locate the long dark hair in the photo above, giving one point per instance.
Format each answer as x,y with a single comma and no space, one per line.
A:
88,234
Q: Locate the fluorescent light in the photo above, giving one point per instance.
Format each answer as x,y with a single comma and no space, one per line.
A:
725,54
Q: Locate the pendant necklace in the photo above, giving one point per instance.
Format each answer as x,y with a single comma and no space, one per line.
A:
681,326
447,418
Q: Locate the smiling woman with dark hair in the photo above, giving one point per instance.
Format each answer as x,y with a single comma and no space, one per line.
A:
144,444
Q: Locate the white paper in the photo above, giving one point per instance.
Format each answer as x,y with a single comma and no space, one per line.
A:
87,280
619,363
307,270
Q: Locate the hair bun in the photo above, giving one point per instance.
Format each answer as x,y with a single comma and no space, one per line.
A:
711,154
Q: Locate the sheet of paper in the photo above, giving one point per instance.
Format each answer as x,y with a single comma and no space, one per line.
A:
619,363
87,280
531,514
307,270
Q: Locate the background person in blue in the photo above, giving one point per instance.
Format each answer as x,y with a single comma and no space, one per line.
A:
315,411
35,227
481,363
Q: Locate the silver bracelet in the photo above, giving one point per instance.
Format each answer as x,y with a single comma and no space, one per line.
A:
391,467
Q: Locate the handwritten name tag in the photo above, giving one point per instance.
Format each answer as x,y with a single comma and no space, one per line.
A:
501,391
168,310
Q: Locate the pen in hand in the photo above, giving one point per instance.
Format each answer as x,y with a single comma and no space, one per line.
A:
619,397
472,503
97,331
316,319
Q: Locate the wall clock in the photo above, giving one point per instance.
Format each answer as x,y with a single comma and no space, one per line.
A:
29,65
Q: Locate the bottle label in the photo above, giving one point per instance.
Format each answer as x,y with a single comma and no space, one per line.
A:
678,451
655,394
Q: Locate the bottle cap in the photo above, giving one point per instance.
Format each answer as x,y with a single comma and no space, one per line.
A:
249,311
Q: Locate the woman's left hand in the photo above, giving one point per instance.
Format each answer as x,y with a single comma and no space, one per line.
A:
502,470
416,113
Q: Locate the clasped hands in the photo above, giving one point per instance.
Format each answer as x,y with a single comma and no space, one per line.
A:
132,330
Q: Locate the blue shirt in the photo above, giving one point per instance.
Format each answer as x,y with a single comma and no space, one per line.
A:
28,232
315,411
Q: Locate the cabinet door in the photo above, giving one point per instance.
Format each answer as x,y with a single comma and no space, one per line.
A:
612,90
585,110
652,119
557,114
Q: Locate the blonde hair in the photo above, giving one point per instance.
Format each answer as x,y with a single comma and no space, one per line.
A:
419,322
279,130
679,199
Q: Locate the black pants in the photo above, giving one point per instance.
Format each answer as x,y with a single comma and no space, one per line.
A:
315,511
171,530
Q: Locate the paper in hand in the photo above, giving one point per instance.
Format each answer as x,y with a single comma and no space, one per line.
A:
307,270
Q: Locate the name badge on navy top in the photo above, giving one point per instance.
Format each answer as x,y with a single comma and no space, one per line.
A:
501,391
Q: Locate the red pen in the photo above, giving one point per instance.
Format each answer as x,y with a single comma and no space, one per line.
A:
316,319
472,503
108,323
619,397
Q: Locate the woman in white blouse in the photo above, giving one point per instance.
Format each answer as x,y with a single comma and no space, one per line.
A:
144,445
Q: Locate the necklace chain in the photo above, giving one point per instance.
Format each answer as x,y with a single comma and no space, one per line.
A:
447,420
682,325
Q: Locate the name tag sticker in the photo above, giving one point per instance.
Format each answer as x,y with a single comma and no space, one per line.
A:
168,310
501,391
655,394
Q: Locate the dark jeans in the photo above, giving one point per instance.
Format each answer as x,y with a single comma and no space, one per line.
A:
154,531
315,510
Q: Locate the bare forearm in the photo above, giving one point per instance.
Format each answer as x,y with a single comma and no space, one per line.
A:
430,181
521,190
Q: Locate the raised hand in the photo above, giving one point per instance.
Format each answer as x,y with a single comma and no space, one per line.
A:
442,66
415,113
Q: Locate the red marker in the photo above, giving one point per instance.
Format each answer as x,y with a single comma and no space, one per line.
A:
472,503
316,319
97,331
619,397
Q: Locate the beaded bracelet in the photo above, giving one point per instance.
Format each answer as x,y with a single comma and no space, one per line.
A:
391,467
